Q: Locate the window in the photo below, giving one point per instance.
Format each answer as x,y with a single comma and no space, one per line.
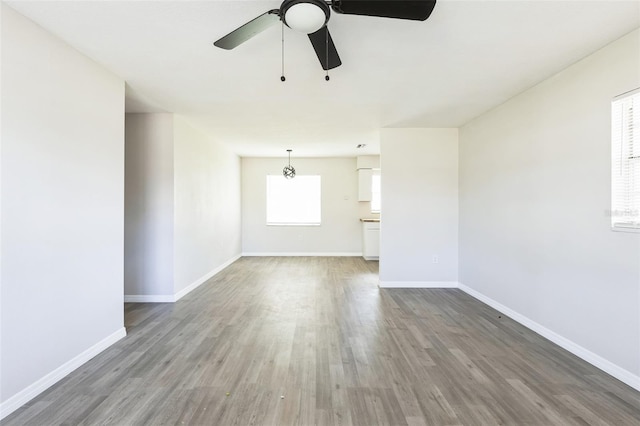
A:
293,201
625,161
375,192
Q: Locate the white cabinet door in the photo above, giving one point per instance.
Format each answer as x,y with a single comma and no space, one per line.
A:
364,184
371,240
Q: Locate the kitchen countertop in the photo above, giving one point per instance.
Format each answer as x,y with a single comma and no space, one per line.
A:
369,219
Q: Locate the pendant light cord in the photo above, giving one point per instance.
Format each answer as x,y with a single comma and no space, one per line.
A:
282,77
327,51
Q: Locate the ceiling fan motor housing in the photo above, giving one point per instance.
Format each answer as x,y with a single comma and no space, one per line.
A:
306,16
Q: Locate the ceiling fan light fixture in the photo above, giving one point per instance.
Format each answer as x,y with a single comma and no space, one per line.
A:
306,16
311,17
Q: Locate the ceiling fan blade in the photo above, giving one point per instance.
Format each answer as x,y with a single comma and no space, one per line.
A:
248,30
323,50
417,10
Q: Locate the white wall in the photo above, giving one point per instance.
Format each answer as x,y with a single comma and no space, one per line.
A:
182,207
340,232
207,205
419,212
534,233
62,210
149,197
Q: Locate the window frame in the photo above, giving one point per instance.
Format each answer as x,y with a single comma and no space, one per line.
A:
625,168
376,174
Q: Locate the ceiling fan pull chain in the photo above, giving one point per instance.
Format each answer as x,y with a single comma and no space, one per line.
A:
326,32
282,78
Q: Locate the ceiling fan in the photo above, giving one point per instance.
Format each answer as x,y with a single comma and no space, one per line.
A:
312,16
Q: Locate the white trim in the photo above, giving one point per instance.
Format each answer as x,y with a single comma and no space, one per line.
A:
418,284
36,388
371,257
297,254
592,358
626,94
179,295
149,298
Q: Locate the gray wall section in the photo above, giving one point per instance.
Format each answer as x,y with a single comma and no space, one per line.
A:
340,231
182,207
62,204
207,216
419,227
149,199
534,192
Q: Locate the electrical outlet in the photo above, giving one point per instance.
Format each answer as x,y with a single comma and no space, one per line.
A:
435,259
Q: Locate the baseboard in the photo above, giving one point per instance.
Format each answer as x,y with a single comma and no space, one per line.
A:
299,254
149,298
179,295
608,367
27,394
418,284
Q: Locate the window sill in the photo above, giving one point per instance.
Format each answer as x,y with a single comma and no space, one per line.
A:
630,229
293,224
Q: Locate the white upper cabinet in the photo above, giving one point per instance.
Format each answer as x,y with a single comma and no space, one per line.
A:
368,162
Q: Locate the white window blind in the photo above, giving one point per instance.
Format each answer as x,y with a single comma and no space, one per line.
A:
293,201
625,161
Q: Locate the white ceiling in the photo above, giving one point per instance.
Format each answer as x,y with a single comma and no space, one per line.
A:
467,58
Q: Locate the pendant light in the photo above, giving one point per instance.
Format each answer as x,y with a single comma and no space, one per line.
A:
289,172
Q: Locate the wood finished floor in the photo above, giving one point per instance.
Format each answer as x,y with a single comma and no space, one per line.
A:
319,332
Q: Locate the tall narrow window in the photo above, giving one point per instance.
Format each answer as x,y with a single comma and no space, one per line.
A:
625,161
375,192
293,201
